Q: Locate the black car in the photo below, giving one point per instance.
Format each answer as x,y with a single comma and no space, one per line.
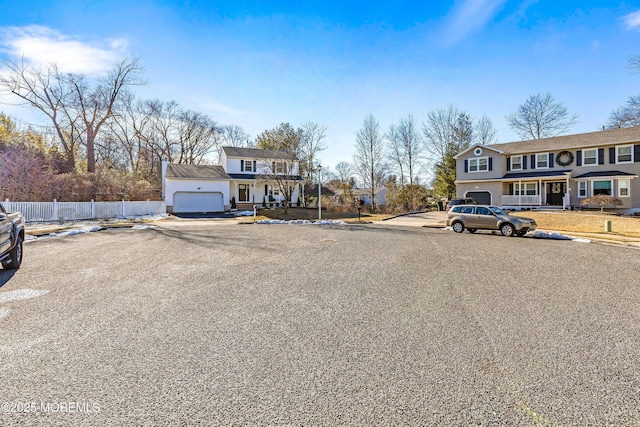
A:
464,201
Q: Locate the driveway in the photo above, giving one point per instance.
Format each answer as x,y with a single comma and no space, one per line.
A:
319,325
429,219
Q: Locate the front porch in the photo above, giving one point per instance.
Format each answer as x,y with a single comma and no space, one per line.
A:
549,190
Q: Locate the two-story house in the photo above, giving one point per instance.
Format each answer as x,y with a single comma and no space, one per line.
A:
553,172
250,176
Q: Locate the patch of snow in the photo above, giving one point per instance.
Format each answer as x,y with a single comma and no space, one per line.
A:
20,294
243,213
554,235
74,231
143,227
330,222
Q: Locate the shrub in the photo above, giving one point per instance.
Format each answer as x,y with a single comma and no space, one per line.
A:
602,201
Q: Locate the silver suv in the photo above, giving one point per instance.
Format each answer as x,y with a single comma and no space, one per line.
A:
483,217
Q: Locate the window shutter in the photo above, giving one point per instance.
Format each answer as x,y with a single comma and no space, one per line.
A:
524,162
550,160
533,161
579,158
636,153
255,169
612,154
508,163
490,163
466,165
601,156
241,165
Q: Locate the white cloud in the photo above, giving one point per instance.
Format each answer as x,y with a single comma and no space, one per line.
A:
213,105
470,16
632,21
41,45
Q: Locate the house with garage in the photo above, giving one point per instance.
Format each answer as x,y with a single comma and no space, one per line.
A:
556,172
244,176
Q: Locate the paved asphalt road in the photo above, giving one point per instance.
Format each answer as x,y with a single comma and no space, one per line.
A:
319,325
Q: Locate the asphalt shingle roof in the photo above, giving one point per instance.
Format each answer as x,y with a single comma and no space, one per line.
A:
209,172
581,140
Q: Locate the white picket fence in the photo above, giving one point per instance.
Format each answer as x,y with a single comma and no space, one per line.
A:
59,211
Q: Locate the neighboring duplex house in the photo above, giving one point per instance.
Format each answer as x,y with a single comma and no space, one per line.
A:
249,175
556,172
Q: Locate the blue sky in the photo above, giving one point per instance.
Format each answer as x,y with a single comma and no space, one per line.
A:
260,63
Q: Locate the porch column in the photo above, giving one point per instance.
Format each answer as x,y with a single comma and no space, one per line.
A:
302,191
254,192
566,200
545,192
520,193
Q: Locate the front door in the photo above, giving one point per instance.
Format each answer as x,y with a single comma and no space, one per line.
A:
555,193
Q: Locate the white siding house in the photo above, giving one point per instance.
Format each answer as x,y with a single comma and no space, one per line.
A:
246,176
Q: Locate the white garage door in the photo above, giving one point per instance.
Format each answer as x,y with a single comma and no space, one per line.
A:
187,202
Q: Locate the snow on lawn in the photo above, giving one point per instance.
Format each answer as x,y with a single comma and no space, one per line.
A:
243,213
74,231
301,221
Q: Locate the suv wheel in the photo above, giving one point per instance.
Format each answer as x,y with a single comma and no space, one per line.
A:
506,230
458,227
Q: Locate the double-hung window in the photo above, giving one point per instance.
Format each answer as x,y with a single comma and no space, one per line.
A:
542,161
582,189
516,163
623,188
590,157
624,154
480,164
525,189
248,166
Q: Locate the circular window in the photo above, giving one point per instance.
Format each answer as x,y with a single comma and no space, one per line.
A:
564,158
477,151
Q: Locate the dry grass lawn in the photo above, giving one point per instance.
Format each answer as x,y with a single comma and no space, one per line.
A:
585,222
312,214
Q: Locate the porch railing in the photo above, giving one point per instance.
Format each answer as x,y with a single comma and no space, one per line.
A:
521,200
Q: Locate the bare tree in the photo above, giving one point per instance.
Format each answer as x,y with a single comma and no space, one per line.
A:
627,115
344,171
634,63
46,91
280,165
76,110
368,159
541,117
406,149
484,131
447,132
311,143
234,136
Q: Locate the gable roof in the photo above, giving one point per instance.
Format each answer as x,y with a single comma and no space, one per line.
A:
577,141
206,172
473,147
255,153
